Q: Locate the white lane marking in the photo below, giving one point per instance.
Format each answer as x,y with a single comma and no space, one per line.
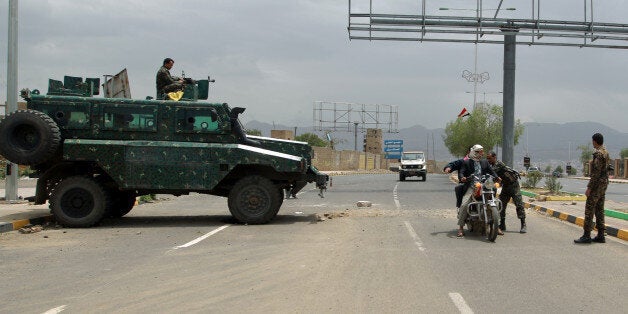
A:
56,310
201,238
414,236
395,197
460,303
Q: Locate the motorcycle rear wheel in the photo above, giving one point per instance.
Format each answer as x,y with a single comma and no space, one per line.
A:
493,223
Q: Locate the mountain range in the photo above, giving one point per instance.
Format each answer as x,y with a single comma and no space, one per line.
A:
546,144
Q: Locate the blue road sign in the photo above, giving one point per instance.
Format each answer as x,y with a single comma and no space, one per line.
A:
393,156
393,142
393,149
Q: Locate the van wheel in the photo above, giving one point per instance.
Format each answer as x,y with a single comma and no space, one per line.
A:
79,201
254,200
29,137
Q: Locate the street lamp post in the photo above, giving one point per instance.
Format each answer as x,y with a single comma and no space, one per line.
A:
475,77
11,190
484,93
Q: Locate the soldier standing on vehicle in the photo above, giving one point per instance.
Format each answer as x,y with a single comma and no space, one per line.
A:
596,190
510,190
165,82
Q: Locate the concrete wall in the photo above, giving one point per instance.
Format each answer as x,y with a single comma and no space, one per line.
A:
326,159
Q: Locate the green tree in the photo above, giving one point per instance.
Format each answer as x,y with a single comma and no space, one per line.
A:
311,139
548,169
254,132
559,169
483,126
624,153
586,154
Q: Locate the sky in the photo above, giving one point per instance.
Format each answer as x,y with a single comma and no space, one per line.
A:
277,57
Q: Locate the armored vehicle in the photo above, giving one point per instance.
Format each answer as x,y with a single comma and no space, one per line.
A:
93,156
412,163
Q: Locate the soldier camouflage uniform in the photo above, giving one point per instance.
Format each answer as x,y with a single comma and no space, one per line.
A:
597,186
510,189
166,83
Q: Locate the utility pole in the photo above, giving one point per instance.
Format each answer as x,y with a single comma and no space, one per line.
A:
508,126
355,136
11,184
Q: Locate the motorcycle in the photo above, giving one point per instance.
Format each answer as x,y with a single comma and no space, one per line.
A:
484,209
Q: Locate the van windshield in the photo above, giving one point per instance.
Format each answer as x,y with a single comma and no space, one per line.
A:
412,156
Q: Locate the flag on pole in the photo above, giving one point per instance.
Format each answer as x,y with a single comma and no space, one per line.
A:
463,113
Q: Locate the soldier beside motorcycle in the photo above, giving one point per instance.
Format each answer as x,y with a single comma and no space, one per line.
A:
509,178
510,189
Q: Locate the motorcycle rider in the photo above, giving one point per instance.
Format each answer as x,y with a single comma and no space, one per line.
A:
455,166
510,189
474,166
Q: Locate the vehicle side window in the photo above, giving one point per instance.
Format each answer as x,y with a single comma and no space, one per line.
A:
70,116
195,120
130,117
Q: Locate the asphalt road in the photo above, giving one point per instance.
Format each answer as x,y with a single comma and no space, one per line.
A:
399,256
615,192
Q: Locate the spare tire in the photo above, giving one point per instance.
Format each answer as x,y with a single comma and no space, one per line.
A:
28,137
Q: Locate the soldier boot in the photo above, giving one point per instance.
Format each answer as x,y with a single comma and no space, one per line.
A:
585,238
524,228
600,237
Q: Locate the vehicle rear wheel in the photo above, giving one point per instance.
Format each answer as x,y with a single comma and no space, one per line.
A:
29,137
493,224
254,200
79,201
121,203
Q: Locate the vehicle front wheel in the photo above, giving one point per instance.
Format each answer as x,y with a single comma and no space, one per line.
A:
254,200
493,224
79,201
402,177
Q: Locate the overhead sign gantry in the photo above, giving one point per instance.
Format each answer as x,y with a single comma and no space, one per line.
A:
371,20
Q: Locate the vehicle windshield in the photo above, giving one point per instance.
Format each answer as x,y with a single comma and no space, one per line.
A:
412,156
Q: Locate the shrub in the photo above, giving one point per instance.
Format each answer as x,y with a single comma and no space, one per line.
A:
148,198
532,179
553,184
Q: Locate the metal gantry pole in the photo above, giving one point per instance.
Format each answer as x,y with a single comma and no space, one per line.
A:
11,179
508,128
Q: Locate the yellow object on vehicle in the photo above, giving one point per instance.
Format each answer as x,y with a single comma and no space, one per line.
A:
176,96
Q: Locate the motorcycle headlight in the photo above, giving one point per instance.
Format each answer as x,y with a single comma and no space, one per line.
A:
489,184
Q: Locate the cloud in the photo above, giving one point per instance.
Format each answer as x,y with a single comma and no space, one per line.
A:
278,57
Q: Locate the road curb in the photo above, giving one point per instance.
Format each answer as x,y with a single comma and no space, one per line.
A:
17,224
611,231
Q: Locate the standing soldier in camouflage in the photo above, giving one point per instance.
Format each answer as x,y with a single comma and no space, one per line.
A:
596,190
510,189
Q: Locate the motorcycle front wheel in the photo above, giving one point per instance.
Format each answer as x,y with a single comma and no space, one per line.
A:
493,224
